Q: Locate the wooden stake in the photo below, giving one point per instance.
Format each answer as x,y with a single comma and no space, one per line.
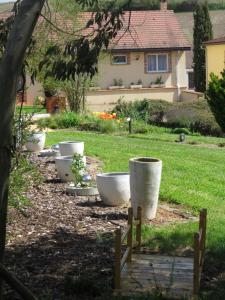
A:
196,275
129,236
138,228
117,258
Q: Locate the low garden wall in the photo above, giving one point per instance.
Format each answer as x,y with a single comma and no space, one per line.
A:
101,100
190,95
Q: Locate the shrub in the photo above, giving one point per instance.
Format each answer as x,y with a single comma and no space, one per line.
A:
181,130
107,126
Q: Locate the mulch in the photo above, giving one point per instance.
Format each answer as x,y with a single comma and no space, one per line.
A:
60,239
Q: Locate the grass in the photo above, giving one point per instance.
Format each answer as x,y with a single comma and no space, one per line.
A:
193,176
32,109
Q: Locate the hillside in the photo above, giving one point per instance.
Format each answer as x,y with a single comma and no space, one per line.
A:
217,19
6,7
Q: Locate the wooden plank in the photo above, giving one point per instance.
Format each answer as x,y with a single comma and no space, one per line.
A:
196,277
117,258
125,233
130,236
124,258
138,228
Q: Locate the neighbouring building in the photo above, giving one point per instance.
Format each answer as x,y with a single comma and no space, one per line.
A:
215,57
146,61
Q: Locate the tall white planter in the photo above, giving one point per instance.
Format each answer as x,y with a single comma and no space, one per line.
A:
114,188
63,166
145,178
71,148
36,142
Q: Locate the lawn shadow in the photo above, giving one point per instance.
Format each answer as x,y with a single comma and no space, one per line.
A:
55,263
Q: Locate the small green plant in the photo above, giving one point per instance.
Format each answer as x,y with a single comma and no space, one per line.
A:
181,130
78,167
139,81
117,82
159,80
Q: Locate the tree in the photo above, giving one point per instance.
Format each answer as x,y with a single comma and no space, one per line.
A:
80,56
202,33
216,98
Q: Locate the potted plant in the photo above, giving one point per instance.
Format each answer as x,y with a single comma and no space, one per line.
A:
35,140
145,178
157,83
83,185
137,85
114,188
117,84
54,102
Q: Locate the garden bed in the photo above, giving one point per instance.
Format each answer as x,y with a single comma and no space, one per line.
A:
59,238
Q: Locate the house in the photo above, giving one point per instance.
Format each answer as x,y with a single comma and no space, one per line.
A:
146,61
215,57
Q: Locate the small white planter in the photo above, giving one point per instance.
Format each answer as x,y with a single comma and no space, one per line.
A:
71,148
36,142
63,167
114,188
82,191
145,178
157,85
116,87
136,86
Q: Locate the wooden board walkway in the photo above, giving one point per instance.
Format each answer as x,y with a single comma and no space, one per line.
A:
172,276
137,272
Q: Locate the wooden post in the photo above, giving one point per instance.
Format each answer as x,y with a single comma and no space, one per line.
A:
117,258
129,236
203,217
138,228
196,275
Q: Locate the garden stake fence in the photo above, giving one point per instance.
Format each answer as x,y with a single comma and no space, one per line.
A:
120,259
15,284
144,263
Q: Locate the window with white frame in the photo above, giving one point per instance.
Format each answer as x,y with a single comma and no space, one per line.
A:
119,59
157,63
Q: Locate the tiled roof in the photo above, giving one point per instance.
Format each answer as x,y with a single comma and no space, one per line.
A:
220,40
151,30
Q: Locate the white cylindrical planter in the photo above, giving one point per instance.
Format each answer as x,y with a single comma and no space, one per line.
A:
63,167
71,148
36,142
114,188
145,178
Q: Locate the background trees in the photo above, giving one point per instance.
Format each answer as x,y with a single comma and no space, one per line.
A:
202,33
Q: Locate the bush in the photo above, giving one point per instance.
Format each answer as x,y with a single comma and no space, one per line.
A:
150,111
181,130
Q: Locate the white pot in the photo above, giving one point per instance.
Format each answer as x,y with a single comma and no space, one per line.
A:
36,142
145,178
63,167
114,188
71,148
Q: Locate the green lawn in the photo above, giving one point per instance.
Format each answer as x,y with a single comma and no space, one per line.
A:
31,109
192,175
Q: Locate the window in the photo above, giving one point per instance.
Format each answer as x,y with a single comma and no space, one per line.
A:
191,84
119,60
157,63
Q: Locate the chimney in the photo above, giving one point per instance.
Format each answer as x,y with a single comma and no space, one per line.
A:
163,5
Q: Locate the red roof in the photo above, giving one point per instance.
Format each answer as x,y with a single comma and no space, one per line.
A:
152,30
220,40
